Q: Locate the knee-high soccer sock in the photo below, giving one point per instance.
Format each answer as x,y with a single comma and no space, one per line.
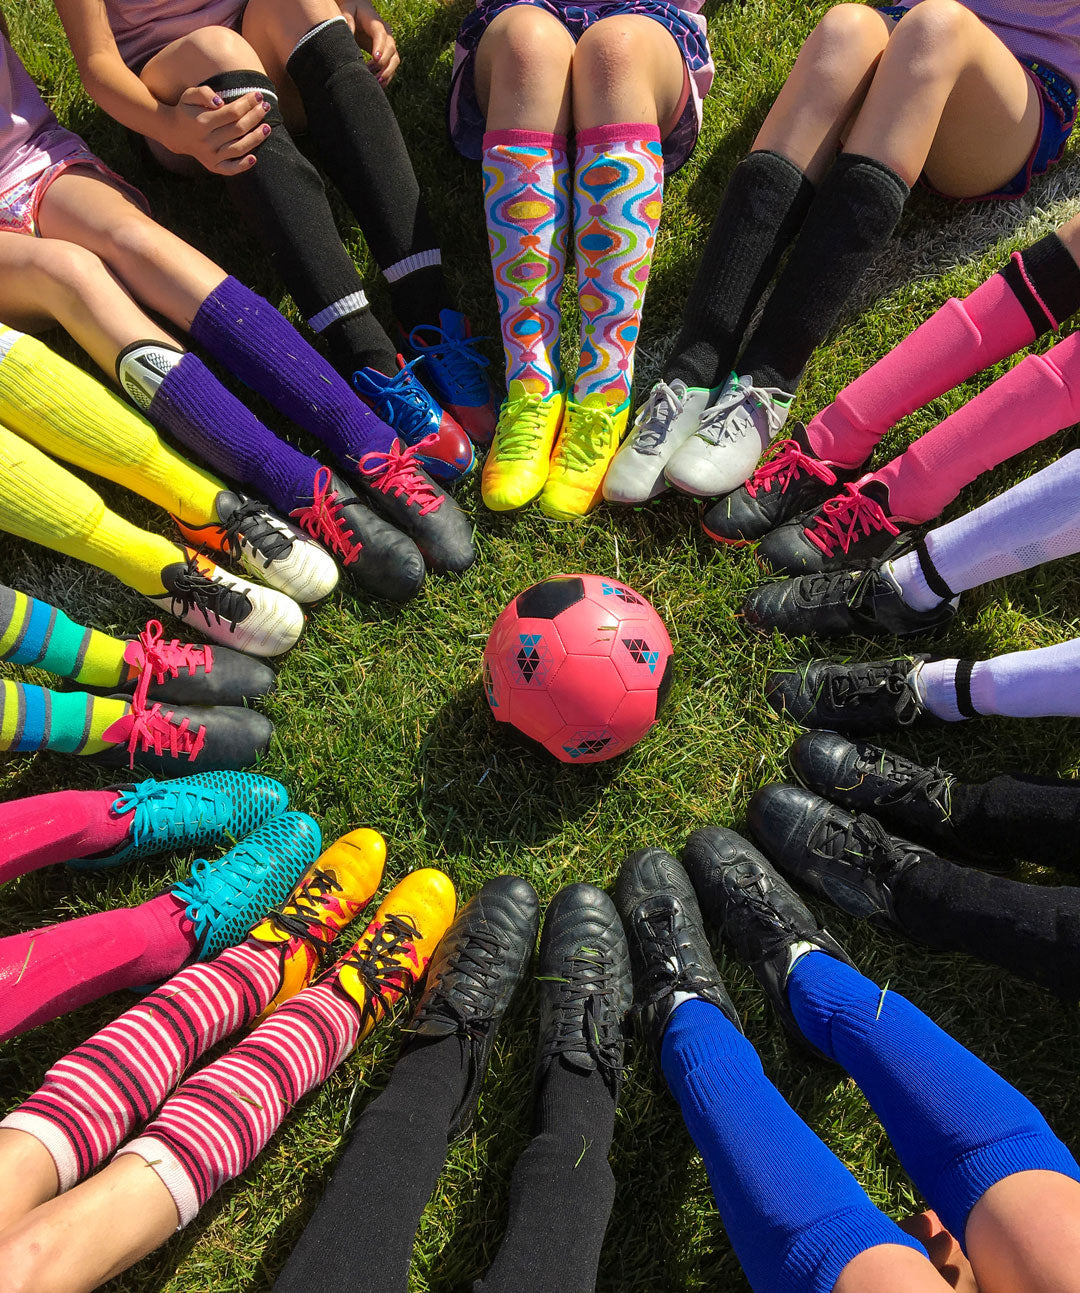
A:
42,502
70,722
1032,930
58,827
618,195
1034,294
1040,683
957,1126
283,200
68,413
184,398
794,1214
764,204
50,971
359,144
561,1191
34,633
1032,401
849,221
400,1141
1011,816
527,203
1035,521
257,344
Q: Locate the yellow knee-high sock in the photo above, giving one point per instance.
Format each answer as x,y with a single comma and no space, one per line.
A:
41,501
71,722
71,415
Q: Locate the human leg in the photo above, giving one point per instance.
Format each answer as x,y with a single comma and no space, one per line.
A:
1041,682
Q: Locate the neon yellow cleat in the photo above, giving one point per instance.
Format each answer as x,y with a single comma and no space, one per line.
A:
591,433
519,460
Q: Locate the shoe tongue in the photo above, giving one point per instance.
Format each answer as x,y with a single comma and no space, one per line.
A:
879,492
119,732
580,1060
226,504
435,1026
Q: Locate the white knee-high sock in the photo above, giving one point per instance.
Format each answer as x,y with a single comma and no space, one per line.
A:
1041,683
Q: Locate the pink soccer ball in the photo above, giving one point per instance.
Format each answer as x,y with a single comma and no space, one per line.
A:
579,663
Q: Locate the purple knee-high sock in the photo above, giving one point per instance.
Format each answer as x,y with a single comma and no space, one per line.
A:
193,407
261,347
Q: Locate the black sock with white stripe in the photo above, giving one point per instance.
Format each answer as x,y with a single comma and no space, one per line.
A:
359,144
283,200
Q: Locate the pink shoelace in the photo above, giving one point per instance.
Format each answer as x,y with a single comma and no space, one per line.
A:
323,519
784,466
845,519
396,471
158,730
156,658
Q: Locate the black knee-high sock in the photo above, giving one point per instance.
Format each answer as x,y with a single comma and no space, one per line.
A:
765,202
283,199
359,144
1032,930
562,1190
1035,818
384,1179
850,220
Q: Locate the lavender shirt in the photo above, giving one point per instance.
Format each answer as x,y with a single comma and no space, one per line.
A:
144,27
1046,30
31,139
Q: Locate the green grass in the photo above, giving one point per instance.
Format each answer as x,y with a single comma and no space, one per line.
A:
380,721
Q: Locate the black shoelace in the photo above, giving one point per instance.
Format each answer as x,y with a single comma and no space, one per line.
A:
862,841
192,590
472,999
865,681
933,785
754,895
304,913
249,524
380,968
587,993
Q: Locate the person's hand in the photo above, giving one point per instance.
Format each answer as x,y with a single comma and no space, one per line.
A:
373,35
219,135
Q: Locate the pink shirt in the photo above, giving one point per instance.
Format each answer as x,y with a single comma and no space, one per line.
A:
31,139
144,27
1046,30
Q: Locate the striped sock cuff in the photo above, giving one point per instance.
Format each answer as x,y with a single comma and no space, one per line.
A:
343,308
171,1173
54,1140
418,260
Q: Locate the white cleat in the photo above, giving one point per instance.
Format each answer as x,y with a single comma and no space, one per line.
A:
663,424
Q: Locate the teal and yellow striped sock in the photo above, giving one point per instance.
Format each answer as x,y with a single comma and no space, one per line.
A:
70,722
34,633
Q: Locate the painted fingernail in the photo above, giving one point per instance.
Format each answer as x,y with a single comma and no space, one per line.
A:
258,96
217,100
266,107
265,130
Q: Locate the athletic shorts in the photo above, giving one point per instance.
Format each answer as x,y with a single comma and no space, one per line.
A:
19,204
1058,102
466,121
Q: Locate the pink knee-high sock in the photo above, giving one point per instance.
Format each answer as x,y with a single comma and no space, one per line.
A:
1032,401
961,339
50,971
69,824
92,1099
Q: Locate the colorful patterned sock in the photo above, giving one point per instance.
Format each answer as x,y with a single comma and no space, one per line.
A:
35,633
618,195
68,413
1039,683
51,971
45,829
957,1127
1032,401
526,198
70,722
258,345
1035,521
42,502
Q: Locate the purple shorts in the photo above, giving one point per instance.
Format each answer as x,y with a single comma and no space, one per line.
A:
19,204
688,30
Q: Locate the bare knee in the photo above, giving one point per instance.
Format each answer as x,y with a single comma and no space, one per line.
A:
932,38
611,54
64,270
846,43
22,1264
132,239
525,46
195,57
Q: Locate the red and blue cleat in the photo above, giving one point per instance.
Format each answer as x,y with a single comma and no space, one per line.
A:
406,406
454,369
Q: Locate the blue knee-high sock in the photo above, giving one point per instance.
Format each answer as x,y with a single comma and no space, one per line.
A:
957,1126
794,1214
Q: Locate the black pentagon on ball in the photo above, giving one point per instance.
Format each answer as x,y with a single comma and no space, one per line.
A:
665,683
550,597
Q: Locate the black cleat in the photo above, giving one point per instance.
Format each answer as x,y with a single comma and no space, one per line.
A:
173,742
668,948
378,559
838,602
793,480
852,861
757,913
852,530
472,976
398,489
585,985
858,698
